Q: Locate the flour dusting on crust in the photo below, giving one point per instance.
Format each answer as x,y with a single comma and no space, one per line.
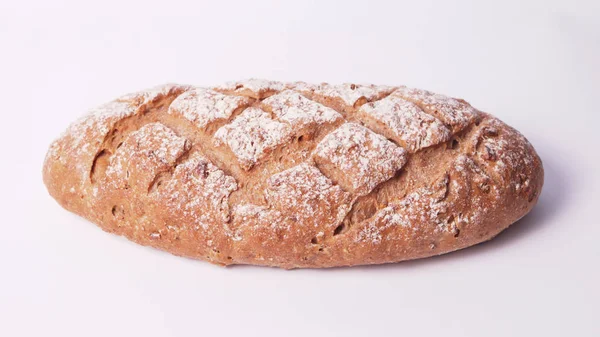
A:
404,122
454,113
151,94
359,158
204,106
84,137
308,195
252,135
99,120
145,152
256,88
319,172
198,191
298,111
252,219
351,93
424,207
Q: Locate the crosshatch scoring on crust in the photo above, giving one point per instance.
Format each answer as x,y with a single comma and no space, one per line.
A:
404,122
295,174
308,194
299,111
252,135
358,158
204,106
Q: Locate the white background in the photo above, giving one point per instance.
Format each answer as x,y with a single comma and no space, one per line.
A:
534,64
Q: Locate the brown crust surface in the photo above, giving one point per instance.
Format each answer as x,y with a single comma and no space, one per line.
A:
295,175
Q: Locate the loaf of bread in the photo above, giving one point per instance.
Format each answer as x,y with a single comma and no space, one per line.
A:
295,175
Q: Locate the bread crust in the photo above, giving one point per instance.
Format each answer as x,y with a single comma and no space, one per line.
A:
295,175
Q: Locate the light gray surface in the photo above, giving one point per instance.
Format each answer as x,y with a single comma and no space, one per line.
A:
534,64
